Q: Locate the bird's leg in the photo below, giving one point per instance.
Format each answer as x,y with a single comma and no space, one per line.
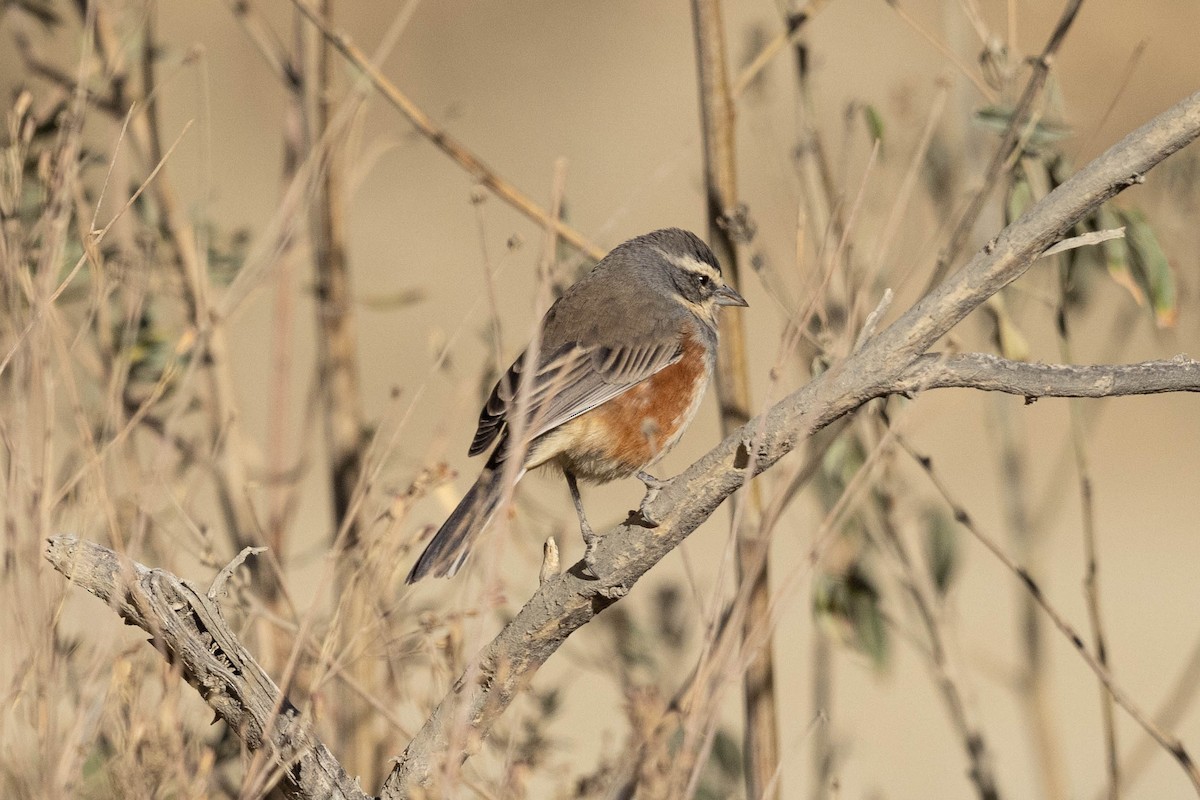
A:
652,483
585,530
653,487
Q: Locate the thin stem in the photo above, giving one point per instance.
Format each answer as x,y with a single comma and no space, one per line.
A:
725,221
949,54
1033,687
441,139
945,669
1013,134
1167,741
1091,575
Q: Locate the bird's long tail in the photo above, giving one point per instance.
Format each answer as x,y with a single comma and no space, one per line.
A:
449,547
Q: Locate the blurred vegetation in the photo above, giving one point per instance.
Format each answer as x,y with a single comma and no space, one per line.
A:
119,417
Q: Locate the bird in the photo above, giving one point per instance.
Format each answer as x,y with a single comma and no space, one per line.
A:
618,372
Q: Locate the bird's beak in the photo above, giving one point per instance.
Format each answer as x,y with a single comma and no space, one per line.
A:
728,296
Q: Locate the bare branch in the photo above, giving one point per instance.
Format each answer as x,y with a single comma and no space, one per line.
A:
945,665
549,561
795,24
567,602
1086,240
994,374
217,590
189,630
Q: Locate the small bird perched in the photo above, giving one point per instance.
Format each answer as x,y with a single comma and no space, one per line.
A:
624,357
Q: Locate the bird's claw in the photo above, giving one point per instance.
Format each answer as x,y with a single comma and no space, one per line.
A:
653,487
653,484
592,568
590,539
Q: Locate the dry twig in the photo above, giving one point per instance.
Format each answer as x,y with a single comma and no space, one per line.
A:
187,627
457,151
1167,741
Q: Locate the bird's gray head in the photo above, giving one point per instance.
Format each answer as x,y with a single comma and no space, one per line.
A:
683,266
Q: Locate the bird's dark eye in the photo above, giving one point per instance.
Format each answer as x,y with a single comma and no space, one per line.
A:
703,281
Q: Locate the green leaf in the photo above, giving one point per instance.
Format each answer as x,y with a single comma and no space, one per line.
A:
1116,254
226,252
727,754
874,122
1045,132
1150,267
842,460
1012,343
853,600
870,630
941,548
152,352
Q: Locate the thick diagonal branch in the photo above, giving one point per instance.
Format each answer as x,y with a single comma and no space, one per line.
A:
188,628
564,604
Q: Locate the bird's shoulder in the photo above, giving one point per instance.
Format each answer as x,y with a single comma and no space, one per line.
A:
611,310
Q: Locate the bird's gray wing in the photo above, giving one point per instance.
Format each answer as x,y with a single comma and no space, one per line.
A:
570,380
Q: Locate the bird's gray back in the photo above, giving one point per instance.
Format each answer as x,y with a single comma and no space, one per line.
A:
615,306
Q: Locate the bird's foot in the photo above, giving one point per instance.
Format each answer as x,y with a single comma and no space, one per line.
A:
592,569
653,484
653,487
590,539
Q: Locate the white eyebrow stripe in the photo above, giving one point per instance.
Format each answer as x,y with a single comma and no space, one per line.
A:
692,265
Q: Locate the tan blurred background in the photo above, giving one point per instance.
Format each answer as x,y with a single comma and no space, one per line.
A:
610,87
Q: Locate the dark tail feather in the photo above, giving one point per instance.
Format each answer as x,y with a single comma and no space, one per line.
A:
448,548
